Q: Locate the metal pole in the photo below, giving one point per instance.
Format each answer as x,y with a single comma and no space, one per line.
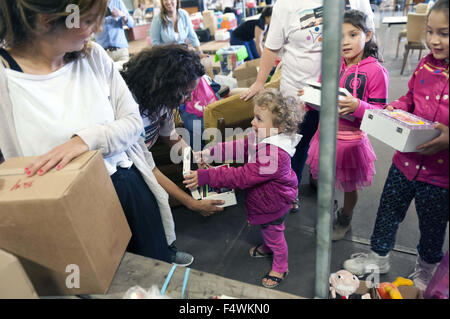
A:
332,26
245,9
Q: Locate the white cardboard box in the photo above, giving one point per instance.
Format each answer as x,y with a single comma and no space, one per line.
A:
206,192
313,97
401,130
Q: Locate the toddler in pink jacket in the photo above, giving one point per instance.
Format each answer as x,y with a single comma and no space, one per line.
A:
269,182
422,175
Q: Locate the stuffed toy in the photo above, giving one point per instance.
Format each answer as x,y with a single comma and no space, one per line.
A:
343,285
388,290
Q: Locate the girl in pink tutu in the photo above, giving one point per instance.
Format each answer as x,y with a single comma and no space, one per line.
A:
363,76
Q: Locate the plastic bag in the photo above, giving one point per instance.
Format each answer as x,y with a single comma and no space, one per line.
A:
138,292
438,286
202,96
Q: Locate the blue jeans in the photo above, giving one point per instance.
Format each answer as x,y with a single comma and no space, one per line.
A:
307,128
250,45
195,126
142,213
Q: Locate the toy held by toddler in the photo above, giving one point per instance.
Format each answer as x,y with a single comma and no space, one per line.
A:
266,177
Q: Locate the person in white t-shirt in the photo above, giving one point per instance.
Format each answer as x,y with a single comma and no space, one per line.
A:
296,34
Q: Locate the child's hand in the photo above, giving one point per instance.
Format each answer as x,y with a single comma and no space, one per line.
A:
191,180
202,158
300,92
438,144
347,105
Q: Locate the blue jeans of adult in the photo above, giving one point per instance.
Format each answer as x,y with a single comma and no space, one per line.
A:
195,126
142,213
307,128
250,45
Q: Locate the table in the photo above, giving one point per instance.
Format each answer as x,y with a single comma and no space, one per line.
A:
213,46
392,21
145,272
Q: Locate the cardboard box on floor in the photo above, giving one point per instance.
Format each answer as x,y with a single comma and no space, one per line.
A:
66,227
14,282
246,73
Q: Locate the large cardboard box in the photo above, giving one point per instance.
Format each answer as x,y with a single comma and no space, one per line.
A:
247,73
14,282
401,130
67,227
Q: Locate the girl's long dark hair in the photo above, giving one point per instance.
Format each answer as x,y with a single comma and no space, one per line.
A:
359,20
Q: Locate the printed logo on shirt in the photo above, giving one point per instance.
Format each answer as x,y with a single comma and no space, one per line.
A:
312,20
360,84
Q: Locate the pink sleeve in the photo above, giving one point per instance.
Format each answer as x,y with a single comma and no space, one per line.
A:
235,150
243,177
406,102
377,93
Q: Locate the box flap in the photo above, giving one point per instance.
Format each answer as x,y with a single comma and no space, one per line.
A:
16,186
16,165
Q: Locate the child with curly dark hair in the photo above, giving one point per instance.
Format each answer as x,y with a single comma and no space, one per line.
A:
269,182
161,79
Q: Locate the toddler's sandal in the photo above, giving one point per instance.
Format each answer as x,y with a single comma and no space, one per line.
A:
258,254
277,280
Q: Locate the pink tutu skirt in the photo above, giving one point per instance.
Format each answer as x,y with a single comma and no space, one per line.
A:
355,160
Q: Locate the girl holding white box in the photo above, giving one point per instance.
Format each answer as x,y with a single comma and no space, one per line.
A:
423,175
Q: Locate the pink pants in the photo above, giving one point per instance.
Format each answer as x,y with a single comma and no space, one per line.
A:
275,242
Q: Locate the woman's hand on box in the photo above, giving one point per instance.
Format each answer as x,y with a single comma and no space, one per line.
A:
440,143
191,180
59,156
348,105
301,92
389,108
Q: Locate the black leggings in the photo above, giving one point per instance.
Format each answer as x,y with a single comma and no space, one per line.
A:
142,212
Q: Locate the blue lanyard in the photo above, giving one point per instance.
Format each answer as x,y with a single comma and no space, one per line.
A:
169,277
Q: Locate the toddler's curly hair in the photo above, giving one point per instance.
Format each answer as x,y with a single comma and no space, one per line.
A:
287,112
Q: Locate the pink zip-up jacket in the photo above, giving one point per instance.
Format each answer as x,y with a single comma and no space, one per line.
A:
370,87
269,182
428,98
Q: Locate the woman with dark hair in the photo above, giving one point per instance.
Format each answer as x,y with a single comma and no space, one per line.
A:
251,33
161,79
173,25
61,97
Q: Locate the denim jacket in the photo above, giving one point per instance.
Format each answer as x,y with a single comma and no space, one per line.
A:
161,35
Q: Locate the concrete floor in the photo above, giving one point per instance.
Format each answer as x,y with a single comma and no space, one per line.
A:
221,242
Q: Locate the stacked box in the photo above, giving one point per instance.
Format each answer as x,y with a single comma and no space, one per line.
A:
67,227
231,57
401,130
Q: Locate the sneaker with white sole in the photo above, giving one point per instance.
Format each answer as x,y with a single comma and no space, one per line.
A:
361,264
423,272
182,259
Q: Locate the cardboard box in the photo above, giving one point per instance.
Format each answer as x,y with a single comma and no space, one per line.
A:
210,21
400,130
247,73
212,68
231,57
206,192
66,227
313,97
14,282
